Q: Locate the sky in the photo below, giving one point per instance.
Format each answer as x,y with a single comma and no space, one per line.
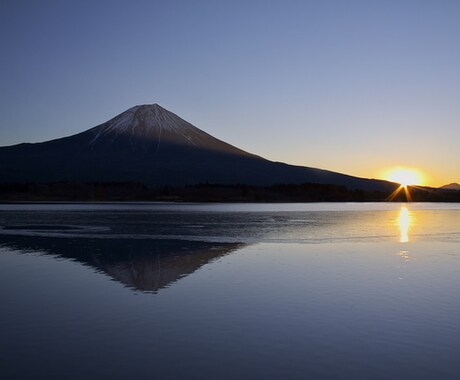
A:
350,86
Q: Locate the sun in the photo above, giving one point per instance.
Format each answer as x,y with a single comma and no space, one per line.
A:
404,176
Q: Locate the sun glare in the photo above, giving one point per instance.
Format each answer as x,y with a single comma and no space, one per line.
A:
404,176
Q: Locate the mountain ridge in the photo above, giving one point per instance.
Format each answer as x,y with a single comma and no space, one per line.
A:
451,186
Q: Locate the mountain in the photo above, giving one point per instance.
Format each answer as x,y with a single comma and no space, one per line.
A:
451,186
152,145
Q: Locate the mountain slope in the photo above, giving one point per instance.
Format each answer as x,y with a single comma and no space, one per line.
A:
154,146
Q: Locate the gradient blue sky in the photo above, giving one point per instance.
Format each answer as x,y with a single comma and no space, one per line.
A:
351,86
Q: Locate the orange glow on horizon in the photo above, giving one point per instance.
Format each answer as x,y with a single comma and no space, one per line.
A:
404,176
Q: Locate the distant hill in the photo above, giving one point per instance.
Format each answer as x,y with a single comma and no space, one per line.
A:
150,145
451,186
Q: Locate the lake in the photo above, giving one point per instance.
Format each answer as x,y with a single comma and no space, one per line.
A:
230,291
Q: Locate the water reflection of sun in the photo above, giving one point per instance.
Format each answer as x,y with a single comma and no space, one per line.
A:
404,222
404,255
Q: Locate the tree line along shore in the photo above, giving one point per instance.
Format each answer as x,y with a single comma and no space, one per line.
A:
206,192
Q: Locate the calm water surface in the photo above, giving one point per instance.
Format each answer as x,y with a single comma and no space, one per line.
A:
230,291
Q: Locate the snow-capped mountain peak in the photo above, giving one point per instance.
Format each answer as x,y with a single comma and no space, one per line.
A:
148,127
145,120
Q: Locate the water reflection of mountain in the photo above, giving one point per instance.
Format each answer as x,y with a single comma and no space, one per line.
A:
142,264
